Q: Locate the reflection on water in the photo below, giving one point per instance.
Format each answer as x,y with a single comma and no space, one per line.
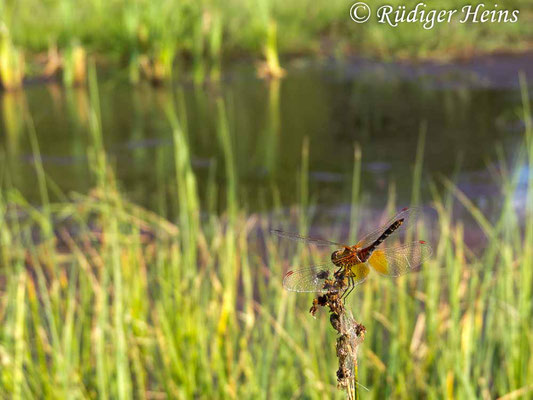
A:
381,107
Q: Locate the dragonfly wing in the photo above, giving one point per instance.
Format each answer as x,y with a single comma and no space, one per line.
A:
399,260
310,279
409,216
304,239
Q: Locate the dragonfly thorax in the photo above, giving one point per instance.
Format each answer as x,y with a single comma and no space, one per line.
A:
345,257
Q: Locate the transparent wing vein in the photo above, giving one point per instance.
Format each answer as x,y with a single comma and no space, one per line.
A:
409,215
309,279
399,260
304,239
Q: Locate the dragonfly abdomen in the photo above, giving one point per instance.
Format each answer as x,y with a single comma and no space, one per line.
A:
365,253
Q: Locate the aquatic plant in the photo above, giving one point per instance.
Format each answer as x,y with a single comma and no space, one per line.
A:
271,68
11,61
74,63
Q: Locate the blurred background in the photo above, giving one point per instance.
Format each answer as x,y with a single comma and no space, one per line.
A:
148,147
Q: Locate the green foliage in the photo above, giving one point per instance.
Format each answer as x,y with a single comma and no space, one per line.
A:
149,35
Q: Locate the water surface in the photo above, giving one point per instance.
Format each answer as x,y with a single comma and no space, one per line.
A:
467,110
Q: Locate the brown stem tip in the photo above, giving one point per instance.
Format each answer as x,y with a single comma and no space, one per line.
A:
351,334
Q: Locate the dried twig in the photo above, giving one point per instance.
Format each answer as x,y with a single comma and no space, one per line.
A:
351,334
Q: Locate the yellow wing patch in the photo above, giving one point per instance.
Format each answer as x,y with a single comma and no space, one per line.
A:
401,259
378,261
359,272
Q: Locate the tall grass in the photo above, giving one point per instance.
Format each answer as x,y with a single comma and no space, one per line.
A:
102,298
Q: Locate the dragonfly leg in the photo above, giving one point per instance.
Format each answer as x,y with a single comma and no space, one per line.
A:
351,286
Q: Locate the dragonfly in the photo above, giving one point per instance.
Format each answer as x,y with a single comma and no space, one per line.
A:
349,266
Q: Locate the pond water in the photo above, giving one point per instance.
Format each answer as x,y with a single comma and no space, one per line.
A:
465,109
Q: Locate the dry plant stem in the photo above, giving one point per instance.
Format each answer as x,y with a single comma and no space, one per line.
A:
351,334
